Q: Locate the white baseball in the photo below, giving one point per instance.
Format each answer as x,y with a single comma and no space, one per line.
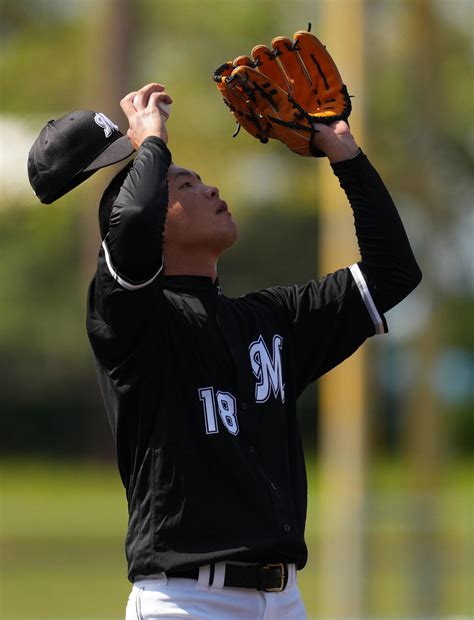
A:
164,107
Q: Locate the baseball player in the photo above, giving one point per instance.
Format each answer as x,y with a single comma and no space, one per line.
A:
201,389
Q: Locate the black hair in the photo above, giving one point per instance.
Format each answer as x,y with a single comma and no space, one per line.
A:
109,197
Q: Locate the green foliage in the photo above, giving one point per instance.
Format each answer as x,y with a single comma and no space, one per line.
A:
43,57
39,274
63,526
53,58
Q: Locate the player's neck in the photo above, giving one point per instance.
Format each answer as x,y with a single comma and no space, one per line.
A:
185,266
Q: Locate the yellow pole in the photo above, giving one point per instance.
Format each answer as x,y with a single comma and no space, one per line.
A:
424,434
343,399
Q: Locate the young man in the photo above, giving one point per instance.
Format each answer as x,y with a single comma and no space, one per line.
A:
201,389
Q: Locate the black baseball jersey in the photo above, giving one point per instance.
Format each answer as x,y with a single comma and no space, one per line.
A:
201,389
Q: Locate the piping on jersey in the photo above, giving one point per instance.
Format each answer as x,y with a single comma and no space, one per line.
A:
367,298
355,270
119,279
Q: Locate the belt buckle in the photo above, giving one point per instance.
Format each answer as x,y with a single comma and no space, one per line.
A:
281,587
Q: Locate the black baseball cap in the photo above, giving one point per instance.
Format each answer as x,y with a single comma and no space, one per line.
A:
69,150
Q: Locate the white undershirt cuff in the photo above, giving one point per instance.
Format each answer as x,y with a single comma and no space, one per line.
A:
119,279
367,298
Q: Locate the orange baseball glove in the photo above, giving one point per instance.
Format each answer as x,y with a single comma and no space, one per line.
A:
281,92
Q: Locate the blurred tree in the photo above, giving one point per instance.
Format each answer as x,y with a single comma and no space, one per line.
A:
43,65
56,56
110,54
50,63
419,102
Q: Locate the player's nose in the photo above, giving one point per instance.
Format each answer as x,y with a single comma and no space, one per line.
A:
211,191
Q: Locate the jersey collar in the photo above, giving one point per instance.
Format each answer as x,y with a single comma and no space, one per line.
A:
192,284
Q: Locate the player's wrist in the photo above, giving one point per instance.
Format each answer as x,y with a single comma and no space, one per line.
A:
335,141
336,147
343,153
163,135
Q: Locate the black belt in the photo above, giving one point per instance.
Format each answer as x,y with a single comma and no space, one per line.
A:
268,577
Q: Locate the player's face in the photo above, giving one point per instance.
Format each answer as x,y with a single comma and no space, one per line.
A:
197,217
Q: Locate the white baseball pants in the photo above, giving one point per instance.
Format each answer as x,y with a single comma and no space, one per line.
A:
164,598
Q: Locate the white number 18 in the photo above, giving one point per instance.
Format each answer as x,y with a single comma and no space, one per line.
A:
226,406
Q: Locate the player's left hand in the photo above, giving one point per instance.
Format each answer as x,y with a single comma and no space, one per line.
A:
335,141
280,92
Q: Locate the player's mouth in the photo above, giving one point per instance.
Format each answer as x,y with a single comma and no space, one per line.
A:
223,208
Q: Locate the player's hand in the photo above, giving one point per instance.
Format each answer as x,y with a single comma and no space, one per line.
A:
146,113
336,141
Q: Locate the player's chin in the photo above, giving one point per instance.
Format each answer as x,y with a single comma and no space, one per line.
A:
234,231
229,233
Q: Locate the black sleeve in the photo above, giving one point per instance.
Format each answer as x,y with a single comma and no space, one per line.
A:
327,321
387,262
135,239
330,318
125,288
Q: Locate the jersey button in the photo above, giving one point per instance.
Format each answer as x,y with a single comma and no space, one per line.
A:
244,406
287,528
273,485
251,450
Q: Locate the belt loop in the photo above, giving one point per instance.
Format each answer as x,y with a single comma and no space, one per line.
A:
219,575
291,575
204,574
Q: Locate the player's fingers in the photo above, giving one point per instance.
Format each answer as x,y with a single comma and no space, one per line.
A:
143,94
322,129
146,91
140,100
152,87
127,103
156,98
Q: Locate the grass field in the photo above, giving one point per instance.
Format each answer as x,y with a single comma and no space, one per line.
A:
62,529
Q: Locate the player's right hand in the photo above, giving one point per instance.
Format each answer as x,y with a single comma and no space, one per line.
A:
335,140
145,116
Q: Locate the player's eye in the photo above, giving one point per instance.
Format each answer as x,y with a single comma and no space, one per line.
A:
186,184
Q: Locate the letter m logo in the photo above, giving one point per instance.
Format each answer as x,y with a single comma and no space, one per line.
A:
107,125
267,369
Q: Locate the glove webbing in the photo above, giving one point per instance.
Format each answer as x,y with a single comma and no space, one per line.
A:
262,136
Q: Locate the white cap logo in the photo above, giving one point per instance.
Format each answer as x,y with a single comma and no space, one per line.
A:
107,125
